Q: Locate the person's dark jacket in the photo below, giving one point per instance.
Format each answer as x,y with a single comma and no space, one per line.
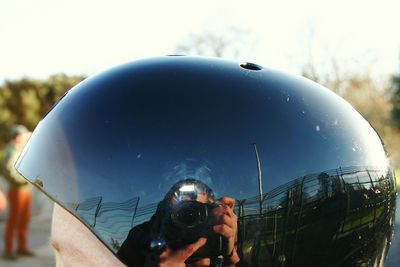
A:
136,246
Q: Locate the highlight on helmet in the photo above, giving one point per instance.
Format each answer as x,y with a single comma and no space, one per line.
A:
158,144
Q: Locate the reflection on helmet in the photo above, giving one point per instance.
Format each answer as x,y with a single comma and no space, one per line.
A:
138,146
189,189
181,218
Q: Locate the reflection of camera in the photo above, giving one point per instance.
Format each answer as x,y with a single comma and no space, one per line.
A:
186,222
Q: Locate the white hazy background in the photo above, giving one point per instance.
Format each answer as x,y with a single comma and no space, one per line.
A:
42,37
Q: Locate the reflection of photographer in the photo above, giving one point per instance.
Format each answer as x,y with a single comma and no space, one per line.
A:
189,228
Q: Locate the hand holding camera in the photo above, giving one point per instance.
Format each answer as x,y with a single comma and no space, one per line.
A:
226,224
198,233
177,257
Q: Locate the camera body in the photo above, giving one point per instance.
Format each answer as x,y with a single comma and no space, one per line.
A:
187,221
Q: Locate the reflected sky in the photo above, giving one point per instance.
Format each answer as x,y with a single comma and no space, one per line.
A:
154,132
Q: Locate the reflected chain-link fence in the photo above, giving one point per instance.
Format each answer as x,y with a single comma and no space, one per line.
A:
315,209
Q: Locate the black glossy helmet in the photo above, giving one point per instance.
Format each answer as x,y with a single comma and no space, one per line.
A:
311,179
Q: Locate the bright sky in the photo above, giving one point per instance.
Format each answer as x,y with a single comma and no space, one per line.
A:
43,37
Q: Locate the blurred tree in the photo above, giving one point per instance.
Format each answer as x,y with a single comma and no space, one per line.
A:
26,100
228,44
373,99
54,88
18,104
396,101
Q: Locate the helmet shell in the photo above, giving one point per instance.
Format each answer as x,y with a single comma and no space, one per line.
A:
294,155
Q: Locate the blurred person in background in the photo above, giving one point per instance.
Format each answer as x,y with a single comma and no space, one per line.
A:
3,201
19,197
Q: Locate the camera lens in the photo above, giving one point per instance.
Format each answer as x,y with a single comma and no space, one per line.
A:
189,214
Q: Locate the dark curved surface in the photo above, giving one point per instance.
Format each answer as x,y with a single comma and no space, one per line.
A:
113,146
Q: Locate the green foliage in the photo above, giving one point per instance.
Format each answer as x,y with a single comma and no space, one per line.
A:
396,101
25,101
